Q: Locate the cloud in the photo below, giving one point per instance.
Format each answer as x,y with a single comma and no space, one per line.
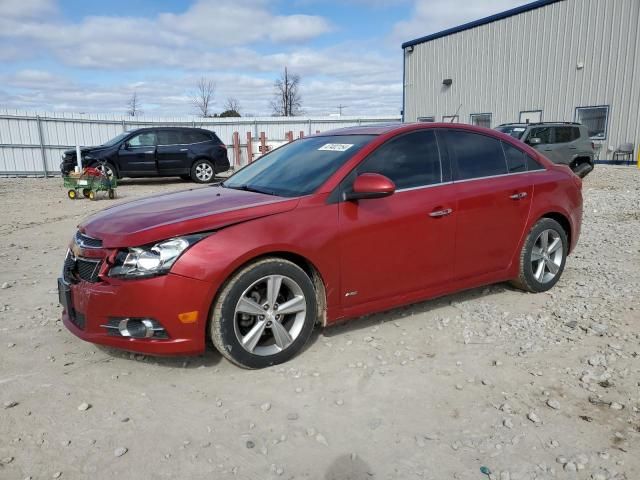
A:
431,16
26,8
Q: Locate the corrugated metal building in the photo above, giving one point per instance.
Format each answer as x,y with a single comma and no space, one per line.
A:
550,60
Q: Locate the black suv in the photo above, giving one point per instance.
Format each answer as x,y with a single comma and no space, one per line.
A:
190,153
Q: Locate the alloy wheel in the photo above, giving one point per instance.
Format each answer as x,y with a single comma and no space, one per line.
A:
270,315
106,170
546,256
204,172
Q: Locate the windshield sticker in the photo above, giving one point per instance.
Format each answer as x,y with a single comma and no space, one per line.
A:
336,147
519,129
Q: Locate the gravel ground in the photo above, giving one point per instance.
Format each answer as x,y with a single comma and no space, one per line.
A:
527,386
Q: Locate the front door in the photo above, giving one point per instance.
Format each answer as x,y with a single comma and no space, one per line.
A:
494,197
402,243
138,155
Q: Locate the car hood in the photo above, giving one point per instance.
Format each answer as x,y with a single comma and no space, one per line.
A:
148,220
84,150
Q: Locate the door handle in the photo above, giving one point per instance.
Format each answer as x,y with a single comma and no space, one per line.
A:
184,149
518,196
441,213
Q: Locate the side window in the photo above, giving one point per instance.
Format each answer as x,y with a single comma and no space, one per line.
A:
533,165
516,158
196,137
411,160
146,139
476,155
543,133
168,137
564,134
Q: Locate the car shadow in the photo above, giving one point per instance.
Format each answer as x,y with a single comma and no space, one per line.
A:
397,314
209,358
151,181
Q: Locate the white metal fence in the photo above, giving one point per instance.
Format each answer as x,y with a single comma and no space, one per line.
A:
32,143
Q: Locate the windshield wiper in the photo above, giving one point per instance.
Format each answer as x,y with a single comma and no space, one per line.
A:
248,188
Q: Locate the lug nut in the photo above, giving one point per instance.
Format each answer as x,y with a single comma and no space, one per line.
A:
261,317
275,307
266,307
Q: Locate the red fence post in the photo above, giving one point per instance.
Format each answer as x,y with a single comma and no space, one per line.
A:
249,147
289,136
263,143
317,131
236,149
301,134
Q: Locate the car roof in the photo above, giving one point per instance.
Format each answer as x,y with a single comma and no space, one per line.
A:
372,129
520,124
146,129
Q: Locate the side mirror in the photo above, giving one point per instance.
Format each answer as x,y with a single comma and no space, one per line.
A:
126,145
534,141
370,185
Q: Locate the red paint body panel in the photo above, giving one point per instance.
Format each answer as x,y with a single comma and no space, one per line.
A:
164,216
161,298
390,250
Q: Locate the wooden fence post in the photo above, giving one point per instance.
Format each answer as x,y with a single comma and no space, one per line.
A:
289,136
236,149
249,148
317,131
263,143
301,134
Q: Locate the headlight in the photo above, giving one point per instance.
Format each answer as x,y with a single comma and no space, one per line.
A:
149,261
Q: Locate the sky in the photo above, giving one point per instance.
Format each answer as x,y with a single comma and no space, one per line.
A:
91,55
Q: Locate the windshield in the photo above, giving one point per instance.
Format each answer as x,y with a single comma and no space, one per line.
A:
300,167
514,130
115,140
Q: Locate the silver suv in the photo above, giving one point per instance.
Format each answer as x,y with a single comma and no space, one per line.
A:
561,142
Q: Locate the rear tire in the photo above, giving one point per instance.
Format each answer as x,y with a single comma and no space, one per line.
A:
203,171
543,257
246,327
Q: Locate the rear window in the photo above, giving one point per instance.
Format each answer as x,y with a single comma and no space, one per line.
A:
169,137
195,137
567,134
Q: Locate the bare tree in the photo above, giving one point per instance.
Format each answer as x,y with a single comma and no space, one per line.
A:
133,105
203,96
232,105
287,101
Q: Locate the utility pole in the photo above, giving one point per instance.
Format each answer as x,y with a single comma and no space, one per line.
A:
340,107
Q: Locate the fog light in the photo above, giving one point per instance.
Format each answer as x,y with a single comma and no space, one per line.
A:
136,328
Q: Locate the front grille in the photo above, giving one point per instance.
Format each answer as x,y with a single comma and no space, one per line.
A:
84,241
88,269
76,269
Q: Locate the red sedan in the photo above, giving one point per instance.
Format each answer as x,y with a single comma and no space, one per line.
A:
326,228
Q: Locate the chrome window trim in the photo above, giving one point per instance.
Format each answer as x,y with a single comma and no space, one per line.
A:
176,144
468,180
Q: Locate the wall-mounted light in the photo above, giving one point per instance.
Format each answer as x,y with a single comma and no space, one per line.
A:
580,65
447,82
410,49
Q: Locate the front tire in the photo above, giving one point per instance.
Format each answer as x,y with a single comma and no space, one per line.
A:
265,314
107,169
543,257
203,171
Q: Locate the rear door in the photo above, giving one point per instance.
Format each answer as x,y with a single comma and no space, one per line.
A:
173,152
402,243
566,144
493,202
138,154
